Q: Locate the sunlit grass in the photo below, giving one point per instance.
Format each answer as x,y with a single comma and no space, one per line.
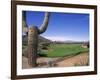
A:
61,50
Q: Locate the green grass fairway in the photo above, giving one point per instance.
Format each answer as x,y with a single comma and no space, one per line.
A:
61,50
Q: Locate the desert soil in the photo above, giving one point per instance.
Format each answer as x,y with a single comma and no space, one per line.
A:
78,60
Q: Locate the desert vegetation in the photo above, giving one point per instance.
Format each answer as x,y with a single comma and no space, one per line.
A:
56,54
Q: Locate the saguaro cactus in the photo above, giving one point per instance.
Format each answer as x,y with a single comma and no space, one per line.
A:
32,46
33,33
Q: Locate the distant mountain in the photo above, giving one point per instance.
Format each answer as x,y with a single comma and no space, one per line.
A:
70,41
40,39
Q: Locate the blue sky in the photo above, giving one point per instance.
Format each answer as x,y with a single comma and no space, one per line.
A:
62,26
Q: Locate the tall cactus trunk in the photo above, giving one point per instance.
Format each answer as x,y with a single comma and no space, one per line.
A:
32,46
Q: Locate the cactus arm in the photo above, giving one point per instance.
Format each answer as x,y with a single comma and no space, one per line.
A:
24,24
44,25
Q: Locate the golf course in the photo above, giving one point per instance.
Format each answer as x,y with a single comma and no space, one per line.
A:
61,50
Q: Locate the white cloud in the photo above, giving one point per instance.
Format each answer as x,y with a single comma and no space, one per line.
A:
56,38
63,38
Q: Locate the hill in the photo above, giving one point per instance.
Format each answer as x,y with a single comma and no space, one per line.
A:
41,39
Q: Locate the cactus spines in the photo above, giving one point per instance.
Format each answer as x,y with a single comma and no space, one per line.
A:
32,46
33,33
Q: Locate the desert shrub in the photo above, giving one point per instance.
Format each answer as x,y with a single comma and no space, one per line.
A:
82,63
41,53
44,46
